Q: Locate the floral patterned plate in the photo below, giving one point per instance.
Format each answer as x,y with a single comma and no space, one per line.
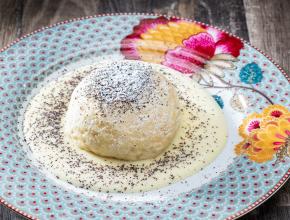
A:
251,89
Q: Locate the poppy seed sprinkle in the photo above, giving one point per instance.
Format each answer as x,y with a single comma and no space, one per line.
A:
198,136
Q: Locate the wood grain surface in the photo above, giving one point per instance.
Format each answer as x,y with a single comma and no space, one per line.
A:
269,22
265,23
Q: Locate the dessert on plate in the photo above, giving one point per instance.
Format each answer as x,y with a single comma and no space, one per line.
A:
125,112
123,126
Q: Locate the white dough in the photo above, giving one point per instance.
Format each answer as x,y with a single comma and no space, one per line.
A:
123,110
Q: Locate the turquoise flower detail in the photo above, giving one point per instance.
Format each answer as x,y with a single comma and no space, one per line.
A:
219,100
251,74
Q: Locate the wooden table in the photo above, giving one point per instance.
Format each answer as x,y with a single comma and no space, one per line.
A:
265,23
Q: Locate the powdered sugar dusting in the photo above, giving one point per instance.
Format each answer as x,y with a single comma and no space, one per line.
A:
119,82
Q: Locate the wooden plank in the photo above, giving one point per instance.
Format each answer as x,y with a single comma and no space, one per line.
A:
10,21
37,14
181,8
7,214
269,28
170,7
228,15
282,198
116,6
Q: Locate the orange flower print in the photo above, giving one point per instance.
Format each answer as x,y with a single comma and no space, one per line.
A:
250,123
152,38
275,111
265,135
274,136
260,155
272,113
242,147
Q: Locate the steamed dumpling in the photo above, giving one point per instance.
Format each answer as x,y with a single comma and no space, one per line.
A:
123,110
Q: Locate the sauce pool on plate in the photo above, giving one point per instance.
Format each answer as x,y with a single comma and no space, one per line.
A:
200,137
